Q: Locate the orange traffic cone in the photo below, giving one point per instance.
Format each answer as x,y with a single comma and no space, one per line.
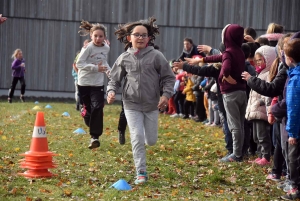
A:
38,159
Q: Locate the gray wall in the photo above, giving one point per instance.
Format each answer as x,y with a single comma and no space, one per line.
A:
46,30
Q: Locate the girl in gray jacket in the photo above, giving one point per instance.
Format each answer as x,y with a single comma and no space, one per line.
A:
142,68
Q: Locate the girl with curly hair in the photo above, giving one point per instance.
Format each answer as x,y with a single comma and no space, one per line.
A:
142,67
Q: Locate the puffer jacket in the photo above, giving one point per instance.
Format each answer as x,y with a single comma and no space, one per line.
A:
190,96
256,108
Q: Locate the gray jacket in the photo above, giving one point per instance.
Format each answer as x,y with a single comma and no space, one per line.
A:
142,72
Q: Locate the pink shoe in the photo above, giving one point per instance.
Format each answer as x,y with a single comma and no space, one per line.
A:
256,160
263,162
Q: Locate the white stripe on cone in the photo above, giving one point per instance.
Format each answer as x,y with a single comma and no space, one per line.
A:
39,132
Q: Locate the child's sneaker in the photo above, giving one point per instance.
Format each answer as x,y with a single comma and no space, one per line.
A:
287,188
293,194
263,162
94,143
22,99
283,184
273,177
231,158
174,115
9,100
141,177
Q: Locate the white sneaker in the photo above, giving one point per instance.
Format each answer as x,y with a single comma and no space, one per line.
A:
181,115
174,115
94,143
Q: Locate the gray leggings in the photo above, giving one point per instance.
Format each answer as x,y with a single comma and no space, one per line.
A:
143,127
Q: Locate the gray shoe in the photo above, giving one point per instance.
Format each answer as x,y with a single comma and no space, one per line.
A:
283,184
287,188
95,143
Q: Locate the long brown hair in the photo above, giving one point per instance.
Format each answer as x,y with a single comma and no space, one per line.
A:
86,28
125,30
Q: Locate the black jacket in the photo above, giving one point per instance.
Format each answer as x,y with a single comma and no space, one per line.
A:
193,52
270,89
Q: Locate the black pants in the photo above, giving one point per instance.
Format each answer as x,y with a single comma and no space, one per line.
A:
93,102
188,108
294,164
278,160
200,109
14,84
122,120
179,102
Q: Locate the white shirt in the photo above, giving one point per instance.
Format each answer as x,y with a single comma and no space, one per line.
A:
87,64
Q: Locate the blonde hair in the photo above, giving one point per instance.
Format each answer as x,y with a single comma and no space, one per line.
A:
87,28
14,55
274,28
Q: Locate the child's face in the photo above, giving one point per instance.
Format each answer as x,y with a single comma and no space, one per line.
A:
97,37
139,37
259,60
19,55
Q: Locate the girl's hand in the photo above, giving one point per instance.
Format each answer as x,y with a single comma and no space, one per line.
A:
22,64
245,75
194,61
229,79
101,68
163,103
111,96
292,141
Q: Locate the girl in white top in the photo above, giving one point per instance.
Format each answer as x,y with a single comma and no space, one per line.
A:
92,65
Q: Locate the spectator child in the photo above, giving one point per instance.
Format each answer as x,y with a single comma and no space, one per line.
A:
256,108
291,51
190,98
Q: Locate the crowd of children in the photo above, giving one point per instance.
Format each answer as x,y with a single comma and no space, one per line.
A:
248,86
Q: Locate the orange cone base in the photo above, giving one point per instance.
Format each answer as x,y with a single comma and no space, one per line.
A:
37,174
34,166
37,159
31,153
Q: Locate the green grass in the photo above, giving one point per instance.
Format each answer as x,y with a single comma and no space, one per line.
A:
182,165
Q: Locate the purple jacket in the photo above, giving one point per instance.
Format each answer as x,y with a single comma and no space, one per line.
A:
17,70
233,59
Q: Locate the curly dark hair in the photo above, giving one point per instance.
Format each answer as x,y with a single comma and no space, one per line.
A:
86,28
125,30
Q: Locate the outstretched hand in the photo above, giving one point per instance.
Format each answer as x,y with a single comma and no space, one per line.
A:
177,65
245,76
194,61
2,19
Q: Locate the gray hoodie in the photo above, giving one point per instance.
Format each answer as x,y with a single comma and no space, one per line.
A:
142,71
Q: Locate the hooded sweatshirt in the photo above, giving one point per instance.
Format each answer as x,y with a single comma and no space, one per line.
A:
233,59
142,72
256,107
17,69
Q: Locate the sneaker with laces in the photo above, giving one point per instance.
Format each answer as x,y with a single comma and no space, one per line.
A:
231,158
273,177
287,188
174,115
22,98
283,184
121,137
205,121
95,143
141,177
263,162
293,194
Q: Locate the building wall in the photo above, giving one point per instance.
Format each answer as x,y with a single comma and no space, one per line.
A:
47,30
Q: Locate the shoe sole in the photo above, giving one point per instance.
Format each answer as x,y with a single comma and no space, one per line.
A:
94,145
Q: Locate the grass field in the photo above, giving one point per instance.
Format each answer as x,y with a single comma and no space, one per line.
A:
183,165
